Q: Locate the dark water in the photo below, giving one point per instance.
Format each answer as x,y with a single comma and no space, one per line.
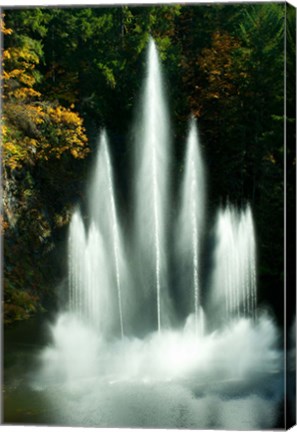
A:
95,401
22,343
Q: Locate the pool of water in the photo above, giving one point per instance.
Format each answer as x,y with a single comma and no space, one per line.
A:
100,400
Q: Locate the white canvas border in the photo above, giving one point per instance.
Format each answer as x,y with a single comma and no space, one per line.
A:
52,3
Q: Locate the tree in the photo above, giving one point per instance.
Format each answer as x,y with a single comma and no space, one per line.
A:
35,133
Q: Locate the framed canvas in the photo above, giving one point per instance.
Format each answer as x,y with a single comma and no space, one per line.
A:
149,215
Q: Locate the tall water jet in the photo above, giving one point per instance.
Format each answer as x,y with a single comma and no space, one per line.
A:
115,232
152,160
92,274
190,223
234,276
103,212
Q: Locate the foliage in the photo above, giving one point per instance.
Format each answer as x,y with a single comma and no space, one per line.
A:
19,304
34,129
41,132
35,132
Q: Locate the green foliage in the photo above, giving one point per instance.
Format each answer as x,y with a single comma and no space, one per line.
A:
21,286
19,305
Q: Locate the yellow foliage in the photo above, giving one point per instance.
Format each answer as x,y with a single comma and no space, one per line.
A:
33,130
26,79
63,115
3,29
18,80
24,93
74,153
23,56
6,55
57,131
16,73
4,128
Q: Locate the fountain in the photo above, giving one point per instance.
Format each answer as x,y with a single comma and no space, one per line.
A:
96,255
190,223
98,371
234,277
151,194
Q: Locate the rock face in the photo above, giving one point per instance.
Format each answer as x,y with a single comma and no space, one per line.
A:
30,237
